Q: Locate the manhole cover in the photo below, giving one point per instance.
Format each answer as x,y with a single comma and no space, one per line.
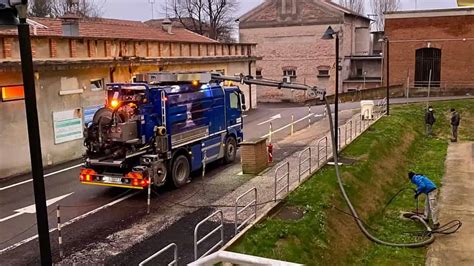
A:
290,213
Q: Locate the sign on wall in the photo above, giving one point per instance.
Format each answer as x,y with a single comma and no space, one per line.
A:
89,113
67,125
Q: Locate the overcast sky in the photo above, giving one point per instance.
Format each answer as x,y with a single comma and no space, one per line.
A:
141,9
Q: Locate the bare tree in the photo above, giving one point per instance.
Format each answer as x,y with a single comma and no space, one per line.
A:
354,5
379,7
41,8
214,18
58,8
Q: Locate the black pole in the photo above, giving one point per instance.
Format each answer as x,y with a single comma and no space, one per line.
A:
388,76
336,98
34,140
250,86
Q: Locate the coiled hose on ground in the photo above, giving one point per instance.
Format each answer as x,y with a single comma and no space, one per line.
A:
359,222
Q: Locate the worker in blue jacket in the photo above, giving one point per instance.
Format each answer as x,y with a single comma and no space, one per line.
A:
426,186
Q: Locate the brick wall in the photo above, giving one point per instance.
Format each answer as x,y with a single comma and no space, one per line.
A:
300,47
254,156
453,35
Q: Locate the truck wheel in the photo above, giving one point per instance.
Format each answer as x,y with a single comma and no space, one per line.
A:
230,150
180,171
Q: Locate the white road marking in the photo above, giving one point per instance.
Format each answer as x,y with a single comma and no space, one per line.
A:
32,208
278,116
281,128
46,175
70,221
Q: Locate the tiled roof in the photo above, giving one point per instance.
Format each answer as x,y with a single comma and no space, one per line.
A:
114,29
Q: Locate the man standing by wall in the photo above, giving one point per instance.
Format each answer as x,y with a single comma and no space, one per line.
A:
429,121
455,119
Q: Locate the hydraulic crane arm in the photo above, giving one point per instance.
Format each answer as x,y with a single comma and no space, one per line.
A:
249,80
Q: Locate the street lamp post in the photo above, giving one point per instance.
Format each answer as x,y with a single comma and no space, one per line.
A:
9,13
387,60
329,35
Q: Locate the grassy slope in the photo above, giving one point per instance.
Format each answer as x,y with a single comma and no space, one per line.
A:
386,152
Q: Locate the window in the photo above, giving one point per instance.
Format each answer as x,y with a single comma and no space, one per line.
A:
258,73
289,73
323,73
234,101
96,84
70,29
12,93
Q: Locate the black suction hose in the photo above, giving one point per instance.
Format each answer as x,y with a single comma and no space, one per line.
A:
359,222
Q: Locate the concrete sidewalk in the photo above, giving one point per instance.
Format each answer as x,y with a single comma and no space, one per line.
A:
456,202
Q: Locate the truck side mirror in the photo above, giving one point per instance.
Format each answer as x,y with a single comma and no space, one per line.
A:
243,106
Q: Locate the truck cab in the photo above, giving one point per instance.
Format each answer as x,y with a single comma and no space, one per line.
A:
160,129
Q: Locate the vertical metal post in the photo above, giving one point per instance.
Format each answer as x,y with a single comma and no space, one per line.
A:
388,76
34,136
339,136
250,86
429,89
292,124
345,134
60,237
270,133
204,159
336,101
309,116
148,200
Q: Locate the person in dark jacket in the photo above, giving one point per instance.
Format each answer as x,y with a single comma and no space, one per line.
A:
455,119
429,121
425,186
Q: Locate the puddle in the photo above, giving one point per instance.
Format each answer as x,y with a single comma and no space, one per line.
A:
289,213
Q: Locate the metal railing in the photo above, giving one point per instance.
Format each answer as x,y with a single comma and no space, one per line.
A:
218,228
301,162
325,148
163,250
250,204
279,178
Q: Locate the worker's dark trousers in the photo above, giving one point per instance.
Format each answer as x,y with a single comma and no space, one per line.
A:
429,129
455,132
431,206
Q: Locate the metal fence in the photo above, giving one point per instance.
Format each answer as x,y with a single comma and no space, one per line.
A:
320,149
163,250
282,172
301,162
279,178
219,228
250,204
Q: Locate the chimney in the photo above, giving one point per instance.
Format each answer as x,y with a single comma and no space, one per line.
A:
167,25
70,25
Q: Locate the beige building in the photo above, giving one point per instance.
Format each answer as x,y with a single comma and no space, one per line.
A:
74,59
288,37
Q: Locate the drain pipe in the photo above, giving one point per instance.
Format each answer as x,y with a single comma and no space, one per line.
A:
351,207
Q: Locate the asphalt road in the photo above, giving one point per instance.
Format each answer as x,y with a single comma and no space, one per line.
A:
92,212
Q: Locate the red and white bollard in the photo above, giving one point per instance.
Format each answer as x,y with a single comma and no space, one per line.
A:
270,152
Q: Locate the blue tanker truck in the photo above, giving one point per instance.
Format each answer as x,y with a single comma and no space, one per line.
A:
161,128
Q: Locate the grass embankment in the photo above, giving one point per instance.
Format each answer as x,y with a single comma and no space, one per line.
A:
385,153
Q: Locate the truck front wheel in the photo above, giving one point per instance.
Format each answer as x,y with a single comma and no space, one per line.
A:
180,171
230,150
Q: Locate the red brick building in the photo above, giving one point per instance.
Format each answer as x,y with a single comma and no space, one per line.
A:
440,42
288,37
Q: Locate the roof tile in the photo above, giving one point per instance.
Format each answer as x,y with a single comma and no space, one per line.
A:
115,29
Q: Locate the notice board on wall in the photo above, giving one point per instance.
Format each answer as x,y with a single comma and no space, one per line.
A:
67,125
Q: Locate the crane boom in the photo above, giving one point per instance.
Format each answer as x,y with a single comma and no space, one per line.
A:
249,80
